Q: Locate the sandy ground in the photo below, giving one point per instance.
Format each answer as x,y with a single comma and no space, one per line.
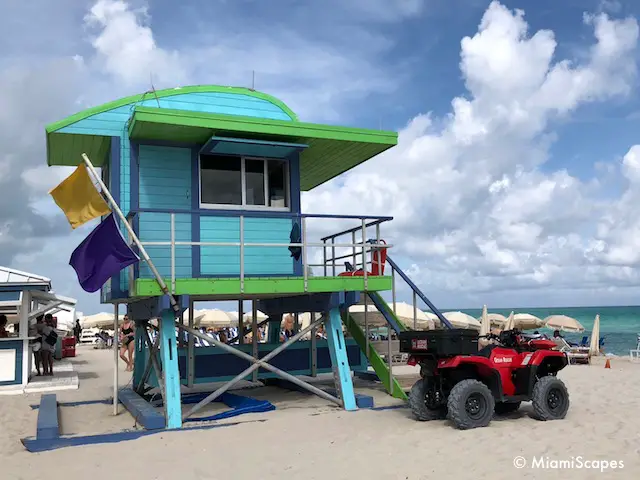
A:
307,438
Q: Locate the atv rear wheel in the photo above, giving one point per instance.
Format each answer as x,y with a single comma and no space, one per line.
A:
470,404
550,399
423,404
503,408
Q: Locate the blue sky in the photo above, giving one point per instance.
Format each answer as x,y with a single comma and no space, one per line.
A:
516,170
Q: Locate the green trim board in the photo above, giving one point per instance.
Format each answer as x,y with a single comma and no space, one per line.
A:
168,92
332,150
376,361
147,287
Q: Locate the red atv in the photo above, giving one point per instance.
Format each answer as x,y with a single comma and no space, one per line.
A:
468,385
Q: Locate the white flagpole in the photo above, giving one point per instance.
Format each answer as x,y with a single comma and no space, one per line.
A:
134,237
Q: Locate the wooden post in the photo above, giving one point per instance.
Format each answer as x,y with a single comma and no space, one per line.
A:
339,360
171,374
115,358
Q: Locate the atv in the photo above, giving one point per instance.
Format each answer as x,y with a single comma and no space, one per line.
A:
468,385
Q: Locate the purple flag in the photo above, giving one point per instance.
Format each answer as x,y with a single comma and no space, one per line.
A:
101,255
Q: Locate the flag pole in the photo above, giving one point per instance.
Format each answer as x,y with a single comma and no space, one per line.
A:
134,237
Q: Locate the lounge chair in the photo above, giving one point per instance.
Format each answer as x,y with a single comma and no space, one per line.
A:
574,354
635,354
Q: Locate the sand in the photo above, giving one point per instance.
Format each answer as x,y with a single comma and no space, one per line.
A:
307,438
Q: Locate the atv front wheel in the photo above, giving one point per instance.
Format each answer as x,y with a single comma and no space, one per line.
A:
423,404
470,404
550,399
503,408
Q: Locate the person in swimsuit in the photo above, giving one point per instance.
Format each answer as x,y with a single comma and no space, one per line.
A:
127,344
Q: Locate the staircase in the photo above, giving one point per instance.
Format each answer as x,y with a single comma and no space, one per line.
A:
381,367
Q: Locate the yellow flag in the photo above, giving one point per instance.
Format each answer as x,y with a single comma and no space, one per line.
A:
79,199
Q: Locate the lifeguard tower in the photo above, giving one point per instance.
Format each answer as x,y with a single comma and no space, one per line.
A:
210,179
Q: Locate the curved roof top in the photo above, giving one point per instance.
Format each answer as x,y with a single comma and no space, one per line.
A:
167,92
332,150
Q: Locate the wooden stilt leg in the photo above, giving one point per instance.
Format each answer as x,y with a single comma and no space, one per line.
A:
339,360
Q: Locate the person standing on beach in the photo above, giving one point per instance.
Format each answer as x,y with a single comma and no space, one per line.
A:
127,344
77,331
46,351
35,331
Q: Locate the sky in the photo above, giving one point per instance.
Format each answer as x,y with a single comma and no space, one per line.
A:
515,180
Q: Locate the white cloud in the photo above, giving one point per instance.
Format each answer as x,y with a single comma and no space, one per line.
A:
476,210
471,203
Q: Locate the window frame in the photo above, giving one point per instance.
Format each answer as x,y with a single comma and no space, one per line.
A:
244,205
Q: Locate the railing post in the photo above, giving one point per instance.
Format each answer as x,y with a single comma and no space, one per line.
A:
305,273
415,311
364,254
324,256
240,323
379,270
393,288
254,335
333,256
366,325
190,347
353,249
241,253
173,253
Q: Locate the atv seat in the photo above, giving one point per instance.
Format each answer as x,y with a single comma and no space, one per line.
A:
486,351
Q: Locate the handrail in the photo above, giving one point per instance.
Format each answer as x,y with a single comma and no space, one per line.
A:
360,249
418,292
357,229
259,213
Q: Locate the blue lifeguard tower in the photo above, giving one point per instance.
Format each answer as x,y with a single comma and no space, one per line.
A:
210,179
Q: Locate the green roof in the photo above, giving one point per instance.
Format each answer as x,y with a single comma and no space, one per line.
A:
331,150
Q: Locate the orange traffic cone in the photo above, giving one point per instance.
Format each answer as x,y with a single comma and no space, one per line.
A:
607,364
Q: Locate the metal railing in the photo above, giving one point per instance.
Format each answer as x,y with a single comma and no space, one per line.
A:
360,249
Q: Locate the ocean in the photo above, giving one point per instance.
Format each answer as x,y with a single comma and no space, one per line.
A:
620,326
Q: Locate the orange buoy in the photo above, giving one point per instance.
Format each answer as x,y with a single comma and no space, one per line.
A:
607,364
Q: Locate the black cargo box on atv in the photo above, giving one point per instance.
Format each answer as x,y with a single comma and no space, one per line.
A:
440,343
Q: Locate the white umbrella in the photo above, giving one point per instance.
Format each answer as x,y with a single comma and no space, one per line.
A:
403,311
99,320
462,320
495,319
563,323
248,317
594,345
215,318
510,324
485,327
527,321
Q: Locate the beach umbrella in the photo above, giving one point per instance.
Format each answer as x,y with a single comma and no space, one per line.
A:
594,346
99,320
403,311
527,321
485,327
495,319
215,318
510,324
563,323
462,320
248,317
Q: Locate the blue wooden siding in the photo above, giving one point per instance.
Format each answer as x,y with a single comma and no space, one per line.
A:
173,193
165,184
15,345
258,260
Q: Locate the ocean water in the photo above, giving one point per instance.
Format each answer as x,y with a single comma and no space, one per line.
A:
620,326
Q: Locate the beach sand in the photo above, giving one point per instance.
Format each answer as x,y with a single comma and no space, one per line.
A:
306,438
